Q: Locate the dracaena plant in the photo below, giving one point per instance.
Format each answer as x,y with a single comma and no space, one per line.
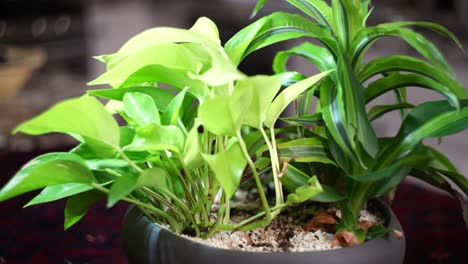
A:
180,149
337,138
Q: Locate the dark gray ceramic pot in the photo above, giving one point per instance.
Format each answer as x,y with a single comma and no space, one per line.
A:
145,242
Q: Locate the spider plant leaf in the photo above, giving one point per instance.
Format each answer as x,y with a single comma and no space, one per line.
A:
341,23
47,170
290,77
380,110
77,206
431,119
288,95
353,114
395,81
340,143
272,29
141,108
306,120
457,178
426,48
316,9
84,116
228,167
305,150
431,177
258,6
428,25
405,63
161,97
318,56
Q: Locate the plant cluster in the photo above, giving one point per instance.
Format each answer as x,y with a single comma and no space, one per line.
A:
195,127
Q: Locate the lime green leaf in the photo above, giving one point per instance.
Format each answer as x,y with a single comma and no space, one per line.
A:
228,167
222,71
47,170
192,150
141,108
328,195
122,187
170,55
288,95
78,205
294,178
305,192
173,112
84,116
153,37
59,191
161,97
208,28
223,114
154,177
262,90
102,164
156,138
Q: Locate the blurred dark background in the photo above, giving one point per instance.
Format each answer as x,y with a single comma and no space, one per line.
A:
49,44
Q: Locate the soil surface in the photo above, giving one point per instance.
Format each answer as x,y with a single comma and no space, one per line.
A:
287,233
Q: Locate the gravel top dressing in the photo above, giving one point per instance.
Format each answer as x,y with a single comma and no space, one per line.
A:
287,233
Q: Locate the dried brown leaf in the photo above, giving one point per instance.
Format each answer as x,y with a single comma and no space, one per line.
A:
398,234
345,239
322,221
365,225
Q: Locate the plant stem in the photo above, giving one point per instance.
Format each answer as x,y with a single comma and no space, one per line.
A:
174,224
244,224
275,168
187,191
263,198
129,161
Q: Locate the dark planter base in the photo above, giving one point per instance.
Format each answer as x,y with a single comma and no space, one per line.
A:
146,242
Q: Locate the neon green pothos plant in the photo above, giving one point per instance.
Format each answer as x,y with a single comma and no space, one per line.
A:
180,148
354,163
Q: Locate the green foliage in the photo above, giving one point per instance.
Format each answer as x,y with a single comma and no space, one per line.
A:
188,146
364,165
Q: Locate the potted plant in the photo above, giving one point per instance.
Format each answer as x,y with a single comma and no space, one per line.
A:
184,149
364,165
